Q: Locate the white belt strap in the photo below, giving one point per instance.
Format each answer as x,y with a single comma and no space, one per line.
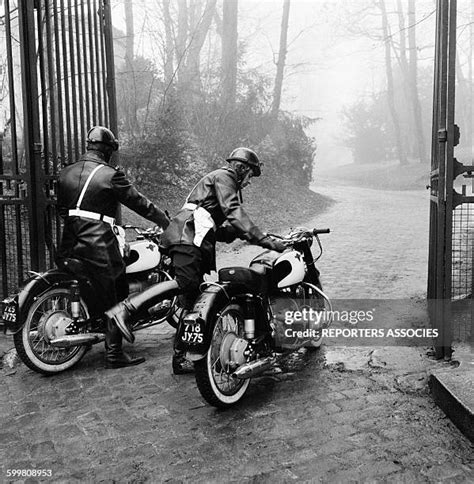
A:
85,213
203,222
93,215
86,185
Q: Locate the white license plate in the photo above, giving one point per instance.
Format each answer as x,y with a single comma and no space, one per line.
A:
193,334
9,314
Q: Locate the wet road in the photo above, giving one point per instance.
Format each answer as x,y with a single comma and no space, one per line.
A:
363,414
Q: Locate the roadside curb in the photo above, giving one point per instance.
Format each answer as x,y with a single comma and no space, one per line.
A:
453,392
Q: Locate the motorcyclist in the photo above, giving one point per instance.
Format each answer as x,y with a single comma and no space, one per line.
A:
89,193
212,212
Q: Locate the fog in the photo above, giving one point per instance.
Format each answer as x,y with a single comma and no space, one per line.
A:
336,58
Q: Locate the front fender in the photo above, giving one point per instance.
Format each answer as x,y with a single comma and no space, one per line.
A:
202,316
32,288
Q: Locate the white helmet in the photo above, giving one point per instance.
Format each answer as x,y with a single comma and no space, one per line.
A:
289,269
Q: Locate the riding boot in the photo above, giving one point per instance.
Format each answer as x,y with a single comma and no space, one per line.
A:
138,305
180,364
115,357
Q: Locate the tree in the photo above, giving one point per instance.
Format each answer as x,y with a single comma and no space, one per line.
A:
169,48
229,53
130,100
281,58
194,20
412,78
390,85
367,120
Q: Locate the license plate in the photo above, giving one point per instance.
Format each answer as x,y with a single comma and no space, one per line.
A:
9,313
193,334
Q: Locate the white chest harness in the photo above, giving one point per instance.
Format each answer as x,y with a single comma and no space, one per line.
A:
118,231
77,212
203,222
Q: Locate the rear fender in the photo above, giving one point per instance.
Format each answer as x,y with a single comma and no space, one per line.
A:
33,288
194,336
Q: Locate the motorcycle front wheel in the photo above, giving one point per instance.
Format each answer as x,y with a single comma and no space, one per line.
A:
47,318
213,375
314,299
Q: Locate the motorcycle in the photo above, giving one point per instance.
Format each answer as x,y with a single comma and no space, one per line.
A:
250,318
53,320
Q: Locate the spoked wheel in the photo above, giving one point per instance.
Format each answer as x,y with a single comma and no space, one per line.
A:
213,373
47,320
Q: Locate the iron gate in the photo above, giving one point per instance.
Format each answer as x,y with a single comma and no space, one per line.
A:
451,252
60,81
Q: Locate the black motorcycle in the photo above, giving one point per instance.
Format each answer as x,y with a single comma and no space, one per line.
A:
53,317
245,322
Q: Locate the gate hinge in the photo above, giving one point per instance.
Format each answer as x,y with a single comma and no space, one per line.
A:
459,168
442,135
458,199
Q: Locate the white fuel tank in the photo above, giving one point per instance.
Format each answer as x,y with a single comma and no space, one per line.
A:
289,269
144,255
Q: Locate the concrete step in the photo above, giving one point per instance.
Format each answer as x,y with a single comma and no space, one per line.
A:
453,391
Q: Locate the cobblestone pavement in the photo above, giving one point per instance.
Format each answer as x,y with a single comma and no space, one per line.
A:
316,418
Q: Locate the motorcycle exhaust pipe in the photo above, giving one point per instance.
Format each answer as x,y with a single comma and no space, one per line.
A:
77,340
248,370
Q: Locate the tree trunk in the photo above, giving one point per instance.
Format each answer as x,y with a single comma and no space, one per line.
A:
131,108
281,59
229,53
403,45
413,84
181,37
199,24
169,47
390,88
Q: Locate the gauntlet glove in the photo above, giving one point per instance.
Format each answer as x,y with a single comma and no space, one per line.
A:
273,244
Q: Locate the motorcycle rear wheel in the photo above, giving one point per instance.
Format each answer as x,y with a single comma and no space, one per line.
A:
46,318
213,380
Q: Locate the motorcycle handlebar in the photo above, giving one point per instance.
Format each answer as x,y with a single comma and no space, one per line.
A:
141,231
313,232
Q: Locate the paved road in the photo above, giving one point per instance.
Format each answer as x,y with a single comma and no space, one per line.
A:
337,415
379,243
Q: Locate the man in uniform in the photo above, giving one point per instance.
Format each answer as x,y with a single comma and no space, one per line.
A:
89,194
212,212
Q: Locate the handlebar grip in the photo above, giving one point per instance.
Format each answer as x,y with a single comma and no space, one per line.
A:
321,231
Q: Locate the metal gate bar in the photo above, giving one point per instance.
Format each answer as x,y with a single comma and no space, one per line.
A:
442,175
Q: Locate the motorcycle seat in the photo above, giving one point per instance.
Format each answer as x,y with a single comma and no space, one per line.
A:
253,280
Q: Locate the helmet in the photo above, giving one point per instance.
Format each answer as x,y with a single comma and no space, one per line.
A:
248,157
99,134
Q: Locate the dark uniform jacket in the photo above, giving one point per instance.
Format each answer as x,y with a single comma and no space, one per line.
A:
218,193
93,241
